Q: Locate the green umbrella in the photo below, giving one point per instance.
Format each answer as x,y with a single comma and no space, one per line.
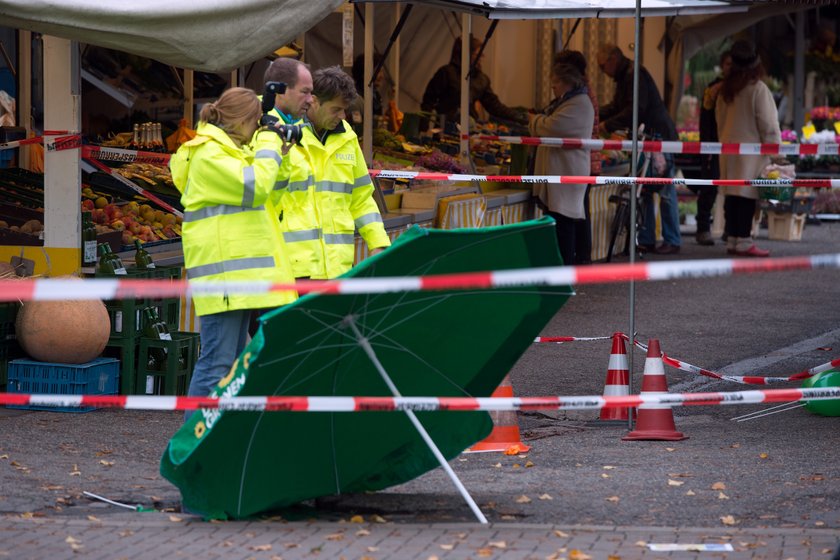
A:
439,343
831,407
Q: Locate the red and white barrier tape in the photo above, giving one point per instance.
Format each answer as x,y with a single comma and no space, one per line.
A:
605,180
103,153
109,289
135,187
562,339
743,379
362,404
58,141
672,147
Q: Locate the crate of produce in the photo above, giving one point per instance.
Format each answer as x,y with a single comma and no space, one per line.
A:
164,367
97,377
785,226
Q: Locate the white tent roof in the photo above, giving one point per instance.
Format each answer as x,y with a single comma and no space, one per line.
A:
210,35
550,9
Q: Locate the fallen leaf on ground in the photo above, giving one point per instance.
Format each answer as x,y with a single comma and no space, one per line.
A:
735,445
485,552
93,518
498,465
608,467
335,537
175,519
819,523
545,497
722,496
763,455
432,557
377,519
670,449
576,554
102,452
604,475
357,519
613,557
497,544
529,464
509,517
523,500
4,456
372,548
728,520
260,547
718,486
75,471
52,487
71,540
362,533
126,533
690,493
613,499
672,482
516,465
105,463
641,543
561,534
447,546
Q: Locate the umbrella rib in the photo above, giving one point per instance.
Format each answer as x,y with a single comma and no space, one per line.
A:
365,344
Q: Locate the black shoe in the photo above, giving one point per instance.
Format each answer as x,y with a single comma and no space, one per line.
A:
647,248
667,249
704,238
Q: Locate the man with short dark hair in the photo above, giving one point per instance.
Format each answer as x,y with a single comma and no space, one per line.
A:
330,193
291,105
618,114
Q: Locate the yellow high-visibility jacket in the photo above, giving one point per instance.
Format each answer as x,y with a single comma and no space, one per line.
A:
329,194
228,234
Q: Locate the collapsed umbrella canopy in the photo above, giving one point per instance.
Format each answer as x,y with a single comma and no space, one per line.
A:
446,343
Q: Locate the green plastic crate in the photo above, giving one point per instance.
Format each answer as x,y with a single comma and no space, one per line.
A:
173,376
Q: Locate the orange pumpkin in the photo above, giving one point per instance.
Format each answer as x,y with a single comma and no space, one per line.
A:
68,332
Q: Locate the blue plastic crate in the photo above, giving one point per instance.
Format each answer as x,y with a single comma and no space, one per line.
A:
98,377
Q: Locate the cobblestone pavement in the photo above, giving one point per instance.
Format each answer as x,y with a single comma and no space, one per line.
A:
161,535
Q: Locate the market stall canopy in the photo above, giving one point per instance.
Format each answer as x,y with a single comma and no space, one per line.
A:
553,9
211,35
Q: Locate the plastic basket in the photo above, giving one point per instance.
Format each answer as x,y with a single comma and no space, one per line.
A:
98,377
172,377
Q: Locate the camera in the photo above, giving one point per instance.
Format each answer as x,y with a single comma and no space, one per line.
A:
288,132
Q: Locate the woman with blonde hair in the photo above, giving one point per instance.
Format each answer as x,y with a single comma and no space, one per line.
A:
226,176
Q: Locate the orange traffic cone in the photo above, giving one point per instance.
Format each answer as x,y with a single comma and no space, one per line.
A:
618,379
654,422
505,434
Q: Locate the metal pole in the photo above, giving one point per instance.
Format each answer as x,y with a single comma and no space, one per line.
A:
799,71
634,163
365,344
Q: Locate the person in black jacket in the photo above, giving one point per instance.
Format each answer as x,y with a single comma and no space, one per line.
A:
709,163
618,114
443,92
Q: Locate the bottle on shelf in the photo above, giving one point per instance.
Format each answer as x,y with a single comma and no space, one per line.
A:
156,360
110,263
142,258
88,240
135,139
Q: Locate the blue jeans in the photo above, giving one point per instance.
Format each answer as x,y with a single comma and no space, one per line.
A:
223,337
669,210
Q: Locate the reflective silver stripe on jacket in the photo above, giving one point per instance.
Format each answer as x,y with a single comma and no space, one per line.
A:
220,210
269,154
371,218
338,238
362,181
302,235
301,185
249,181
334,186
229,266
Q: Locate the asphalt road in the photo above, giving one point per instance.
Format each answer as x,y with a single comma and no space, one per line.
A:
780,471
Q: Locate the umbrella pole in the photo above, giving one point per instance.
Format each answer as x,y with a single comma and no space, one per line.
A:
365,344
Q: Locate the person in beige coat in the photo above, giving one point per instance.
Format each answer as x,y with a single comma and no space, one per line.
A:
745,112
569,115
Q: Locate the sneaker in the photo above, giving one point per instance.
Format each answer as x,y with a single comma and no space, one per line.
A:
704,238
753,251
667,249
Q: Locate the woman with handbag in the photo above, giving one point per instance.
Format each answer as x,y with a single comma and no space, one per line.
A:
569,115
745,112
